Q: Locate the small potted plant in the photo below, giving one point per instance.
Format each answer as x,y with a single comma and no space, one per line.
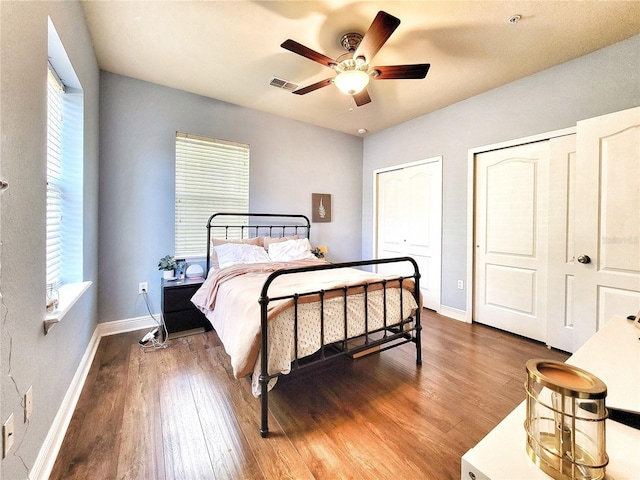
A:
168,264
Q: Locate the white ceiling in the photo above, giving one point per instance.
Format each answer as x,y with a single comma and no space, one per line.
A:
229,50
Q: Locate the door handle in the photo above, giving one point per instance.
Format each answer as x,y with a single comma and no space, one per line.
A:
584,259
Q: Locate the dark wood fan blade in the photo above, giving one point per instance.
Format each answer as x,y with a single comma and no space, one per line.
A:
396,72
300,49
379,32
362,98
315,86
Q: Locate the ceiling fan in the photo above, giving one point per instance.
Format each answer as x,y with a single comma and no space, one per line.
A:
354,67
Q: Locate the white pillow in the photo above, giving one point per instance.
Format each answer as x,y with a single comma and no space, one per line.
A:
266,241
240,253
291,250
221,241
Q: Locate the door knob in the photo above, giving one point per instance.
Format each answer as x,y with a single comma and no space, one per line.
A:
584,259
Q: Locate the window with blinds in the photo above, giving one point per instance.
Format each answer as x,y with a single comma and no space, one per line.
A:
55,194
64,218
211,176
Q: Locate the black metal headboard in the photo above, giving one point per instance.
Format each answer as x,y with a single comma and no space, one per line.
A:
249,225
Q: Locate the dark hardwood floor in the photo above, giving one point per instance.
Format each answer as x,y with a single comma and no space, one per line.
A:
178,413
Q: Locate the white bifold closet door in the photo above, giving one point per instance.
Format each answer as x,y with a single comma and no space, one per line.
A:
511,239
409,222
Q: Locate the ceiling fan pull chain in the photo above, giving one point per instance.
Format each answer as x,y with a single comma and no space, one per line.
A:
352,103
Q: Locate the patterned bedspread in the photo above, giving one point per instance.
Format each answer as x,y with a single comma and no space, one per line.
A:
229,299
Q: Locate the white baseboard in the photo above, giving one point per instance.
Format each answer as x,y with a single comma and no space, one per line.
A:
49,450
456,314
127,325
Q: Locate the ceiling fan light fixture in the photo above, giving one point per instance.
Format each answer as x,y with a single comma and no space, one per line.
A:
351,82
353,70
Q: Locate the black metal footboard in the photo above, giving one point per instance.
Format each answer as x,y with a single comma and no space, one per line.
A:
394,331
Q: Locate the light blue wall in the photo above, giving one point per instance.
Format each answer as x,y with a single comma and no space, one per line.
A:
603,82
289,161
29,358
128,225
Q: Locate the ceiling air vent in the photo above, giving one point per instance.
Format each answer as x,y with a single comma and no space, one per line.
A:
281,83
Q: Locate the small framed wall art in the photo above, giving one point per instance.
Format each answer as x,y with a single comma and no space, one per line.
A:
320,207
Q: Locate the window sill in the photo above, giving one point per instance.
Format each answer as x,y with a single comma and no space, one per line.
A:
69,294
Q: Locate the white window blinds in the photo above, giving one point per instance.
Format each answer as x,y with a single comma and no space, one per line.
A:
211,176
55,89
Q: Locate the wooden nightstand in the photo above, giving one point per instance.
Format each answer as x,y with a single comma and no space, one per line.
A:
180,315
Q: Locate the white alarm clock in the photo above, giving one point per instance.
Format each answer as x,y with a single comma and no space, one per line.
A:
194,271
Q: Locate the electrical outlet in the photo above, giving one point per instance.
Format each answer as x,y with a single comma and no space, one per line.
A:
143,287
7,436
460,284
28,404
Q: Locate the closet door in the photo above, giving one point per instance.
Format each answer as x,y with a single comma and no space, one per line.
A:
563,268
391,214
511,239
409,217
557,232
607,227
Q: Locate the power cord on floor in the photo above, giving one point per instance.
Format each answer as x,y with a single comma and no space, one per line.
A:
150,341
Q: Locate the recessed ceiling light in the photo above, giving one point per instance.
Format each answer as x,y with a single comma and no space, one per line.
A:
513,19
362,131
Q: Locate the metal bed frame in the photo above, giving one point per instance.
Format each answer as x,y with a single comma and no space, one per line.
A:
394,332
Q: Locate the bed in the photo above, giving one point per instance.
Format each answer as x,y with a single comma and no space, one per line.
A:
277,307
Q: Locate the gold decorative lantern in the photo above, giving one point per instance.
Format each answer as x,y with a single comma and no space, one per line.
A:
565,421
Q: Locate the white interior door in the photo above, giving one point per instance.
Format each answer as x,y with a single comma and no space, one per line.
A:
511,239
409,219
563,268
391,213
607,227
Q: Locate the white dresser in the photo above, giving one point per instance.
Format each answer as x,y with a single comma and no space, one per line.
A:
613,355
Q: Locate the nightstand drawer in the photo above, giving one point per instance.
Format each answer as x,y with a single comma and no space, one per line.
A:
186,320
178,297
